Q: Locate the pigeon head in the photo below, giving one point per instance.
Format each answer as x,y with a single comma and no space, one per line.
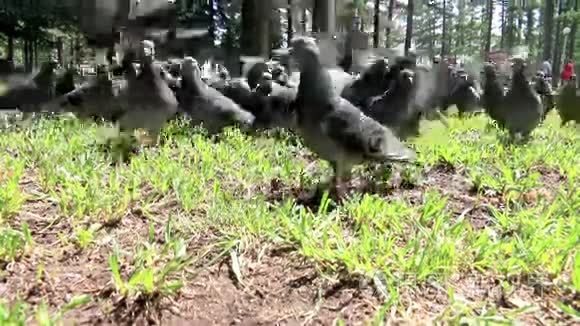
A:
224,74
278,70
189,64
406,78
174,69
518,65
304,50
264,88
102,71
190,68
489,71
266,76
147,49
49,66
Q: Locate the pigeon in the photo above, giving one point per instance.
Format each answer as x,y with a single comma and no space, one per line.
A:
544,89
256,102
255,73
569,102
523,107
493,96
27,93
221,81
395,109
100,98
463,94
280,76
372,83
208,106
334,128
65,83
278,109
151,103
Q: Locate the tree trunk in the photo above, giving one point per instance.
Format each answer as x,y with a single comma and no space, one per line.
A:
558,45
489,22
77,50
72,51
10,47
290,19
304,22
389,23
35,52
255,38
572,43
548,29
377,31
520,28
27,61
444,32
529,26
59,49
324,16
510,25
503,25
409,27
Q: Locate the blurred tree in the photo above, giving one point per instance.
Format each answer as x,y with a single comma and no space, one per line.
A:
548,29
255,34
390,23
409,26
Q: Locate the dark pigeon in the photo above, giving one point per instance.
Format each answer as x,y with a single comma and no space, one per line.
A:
493,96
394,109
100,98
65,83
255,73
334,128
278,100
523,107
463,94
27,93
208,106
371,83
569,102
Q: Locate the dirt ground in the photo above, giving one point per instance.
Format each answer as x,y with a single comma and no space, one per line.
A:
279,286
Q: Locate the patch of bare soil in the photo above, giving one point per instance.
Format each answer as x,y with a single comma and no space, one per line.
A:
278,288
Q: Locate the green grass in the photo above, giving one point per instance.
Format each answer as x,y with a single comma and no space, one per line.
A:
191,186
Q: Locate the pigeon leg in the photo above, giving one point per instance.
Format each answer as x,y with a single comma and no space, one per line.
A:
341,173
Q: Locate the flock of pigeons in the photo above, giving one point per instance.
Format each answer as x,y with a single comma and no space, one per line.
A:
346,120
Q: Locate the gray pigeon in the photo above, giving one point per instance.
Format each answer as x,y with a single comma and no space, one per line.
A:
544,89
523,107
151,102
27,93
334,128
99,98
208,106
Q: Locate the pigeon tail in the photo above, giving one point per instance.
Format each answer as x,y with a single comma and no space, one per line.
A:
385,147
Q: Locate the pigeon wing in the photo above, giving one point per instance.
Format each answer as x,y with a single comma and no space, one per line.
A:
357,133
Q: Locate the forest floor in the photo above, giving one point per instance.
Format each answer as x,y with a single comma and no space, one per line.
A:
234,230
